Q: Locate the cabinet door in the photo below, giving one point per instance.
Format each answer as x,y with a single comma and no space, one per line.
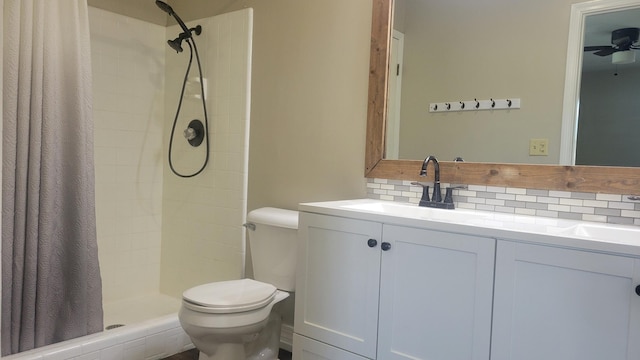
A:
309,349
337,282
553,303
436,295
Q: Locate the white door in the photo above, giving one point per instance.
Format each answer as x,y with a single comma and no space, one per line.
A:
338,281
552,303
436,295
394,96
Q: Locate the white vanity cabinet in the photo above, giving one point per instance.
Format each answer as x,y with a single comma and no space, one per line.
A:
555,303
380,291
435,295
338,283
381,280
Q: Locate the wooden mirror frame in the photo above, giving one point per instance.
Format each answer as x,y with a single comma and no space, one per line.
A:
598,179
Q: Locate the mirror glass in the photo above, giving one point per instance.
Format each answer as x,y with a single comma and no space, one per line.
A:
609,113
447,51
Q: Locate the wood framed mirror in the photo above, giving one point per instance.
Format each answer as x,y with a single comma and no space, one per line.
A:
612,180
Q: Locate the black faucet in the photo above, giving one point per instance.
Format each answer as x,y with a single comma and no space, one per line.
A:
436,199
437,195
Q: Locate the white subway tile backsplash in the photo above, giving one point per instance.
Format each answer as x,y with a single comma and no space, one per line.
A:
559,194
547,200
526,198
603,208
561,208
477,188
496,189
594,218
621,205
571,202
596,203
516,191
531,212
582,210
547,213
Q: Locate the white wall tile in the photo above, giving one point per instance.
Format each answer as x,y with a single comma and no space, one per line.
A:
128,71
209,209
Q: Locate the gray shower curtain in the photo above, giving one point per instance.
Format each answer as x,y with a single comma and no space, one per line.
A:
51,286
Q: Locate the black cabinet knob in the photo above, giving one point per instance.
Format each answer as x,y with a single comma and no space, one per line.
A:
372,243
637,287
385,246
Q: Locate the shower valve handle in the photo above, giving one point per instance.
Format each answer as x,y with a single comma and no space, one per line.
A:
190,133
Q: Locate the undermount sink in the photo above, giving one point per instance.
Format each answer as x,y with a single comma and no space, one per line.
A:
416,212
603,232
609,233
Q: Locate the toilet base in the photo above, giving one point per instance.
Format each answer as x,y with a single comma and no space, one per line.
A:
264,346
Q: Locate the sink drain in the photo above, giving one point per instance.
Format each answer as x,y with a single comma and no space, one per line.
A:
110,327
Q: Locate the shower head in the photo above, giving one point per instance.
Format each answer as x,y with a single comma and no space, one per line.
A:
165,7
169,10
176,44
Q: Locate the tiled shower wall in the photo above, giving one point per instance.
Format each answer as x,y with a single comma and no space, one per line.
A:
603,208
141,206
128,61
202,233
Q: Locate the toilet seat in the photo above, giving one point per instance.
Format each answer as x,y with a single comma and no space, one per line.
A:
227,297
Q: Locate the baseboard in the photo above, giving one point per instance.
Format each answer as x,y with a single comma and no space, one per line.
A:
286,337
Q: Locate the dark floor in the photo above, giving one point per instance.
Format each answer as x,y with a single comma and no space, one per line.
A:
193,355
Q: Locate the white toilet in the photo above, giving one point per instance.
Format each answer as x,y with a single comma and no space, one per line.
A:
233,320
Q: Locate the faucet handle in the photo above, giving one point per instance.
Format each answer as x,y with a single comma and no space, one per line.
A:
448,197
458,187
423,184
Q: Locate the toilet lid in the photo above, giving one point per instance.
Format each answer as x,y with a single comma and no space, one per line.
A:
231,296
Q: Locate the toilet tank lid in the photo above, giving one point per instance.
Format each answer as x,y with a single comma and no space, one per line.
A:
274,217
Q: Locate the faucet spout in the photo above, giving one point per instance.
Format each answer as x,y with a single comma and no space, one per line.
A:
437,196
436,166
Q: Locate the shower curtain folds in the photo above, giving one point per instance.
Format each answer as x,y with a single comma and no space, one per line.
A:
51,281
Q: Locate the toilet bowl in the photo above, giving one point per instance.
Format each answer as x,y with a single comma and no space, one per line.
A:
225,319
238,319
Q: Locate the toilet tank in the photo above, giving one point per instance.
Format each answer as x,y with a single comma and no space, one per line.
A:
273,237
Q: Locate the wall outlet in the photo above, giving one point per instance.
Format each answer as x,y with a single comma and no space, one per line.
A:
539,147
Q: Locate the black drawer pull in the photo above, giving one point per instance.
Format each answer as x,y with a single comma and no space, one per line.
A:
385,246
372,243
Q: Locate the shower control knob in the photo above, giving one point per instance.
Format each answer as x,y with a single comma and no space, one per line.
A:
190,133
372,243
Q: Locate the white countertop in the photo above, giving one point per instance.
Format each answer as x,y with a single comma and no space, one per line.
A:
618,239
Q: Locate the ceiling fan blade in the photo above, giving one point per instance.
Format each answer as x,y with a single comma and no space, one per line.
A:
597,48
601,50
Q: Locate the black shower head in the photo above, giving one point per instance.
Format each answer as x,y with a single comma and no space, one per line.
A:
165,7
169,10
176,44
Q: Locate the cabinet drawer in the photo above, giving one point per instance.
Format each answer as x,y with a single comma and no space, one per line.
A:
309,349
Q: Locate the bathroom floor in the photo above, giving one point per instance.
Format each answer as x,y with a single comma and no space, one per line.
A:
193,355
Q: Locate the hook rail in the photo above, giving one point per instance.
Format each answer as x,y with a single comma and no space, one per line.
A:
475,105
